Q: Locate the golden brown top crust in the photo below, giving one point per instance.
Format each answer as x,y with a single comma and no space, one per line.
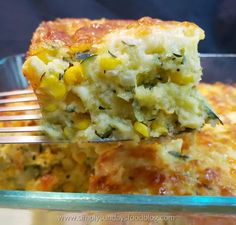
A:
76,31
208,167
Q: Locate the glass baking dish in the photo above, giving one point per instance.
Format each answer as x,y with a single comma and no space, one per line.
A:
216,67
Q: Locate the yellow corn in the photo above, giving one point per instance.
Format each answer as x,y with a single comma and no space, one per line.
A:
159,128
109,62
54,87
181,79
50,108
34,68
143,31
82,122
73,75
80,47
141,128
68,132
46,54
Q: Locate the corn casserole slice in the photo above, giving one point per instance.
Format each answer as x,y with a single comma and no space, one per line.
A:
117,79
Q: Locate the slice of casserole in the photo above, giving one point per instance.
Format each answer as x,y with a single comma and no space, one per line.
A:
117,79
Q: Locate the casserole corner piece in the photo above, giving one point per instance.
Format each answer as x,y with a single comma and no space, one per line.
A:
117,79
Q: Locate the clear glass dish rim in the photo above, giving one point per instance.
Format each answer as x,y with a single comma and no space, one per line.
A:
116,202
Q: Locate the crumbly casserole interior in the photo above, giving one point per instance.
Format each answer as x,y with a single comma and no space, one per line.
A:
200,163
117,79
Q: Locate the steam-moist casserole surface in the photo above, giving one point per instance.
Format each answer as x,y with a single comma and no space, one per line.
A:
117,79
201,163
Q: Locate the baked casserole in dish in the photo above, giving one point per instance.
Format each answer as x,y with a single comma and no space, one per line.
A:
110,79
199,163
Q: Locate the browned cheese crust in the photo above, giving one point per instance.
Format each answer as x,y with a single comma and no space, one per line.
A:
74,32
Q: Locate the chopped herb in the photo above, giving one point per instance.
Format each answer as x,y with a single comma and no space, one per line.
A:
130,45
186,130
106,134
178,70
177,55
70,108
178,155
82,56
114,91
173,58
32,167
207,187
40,148
114,56
137,111
42,76
150,85
152,119
212,115
61,75
101,108
183,60
131,178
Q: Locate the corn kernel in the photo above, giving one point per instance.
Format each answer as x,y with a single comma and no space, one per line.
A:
143,31
50,107
109,63
46,54
141,128
54,87
73,75
181,79
160,129
34,68
80,47
82,122
68,132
